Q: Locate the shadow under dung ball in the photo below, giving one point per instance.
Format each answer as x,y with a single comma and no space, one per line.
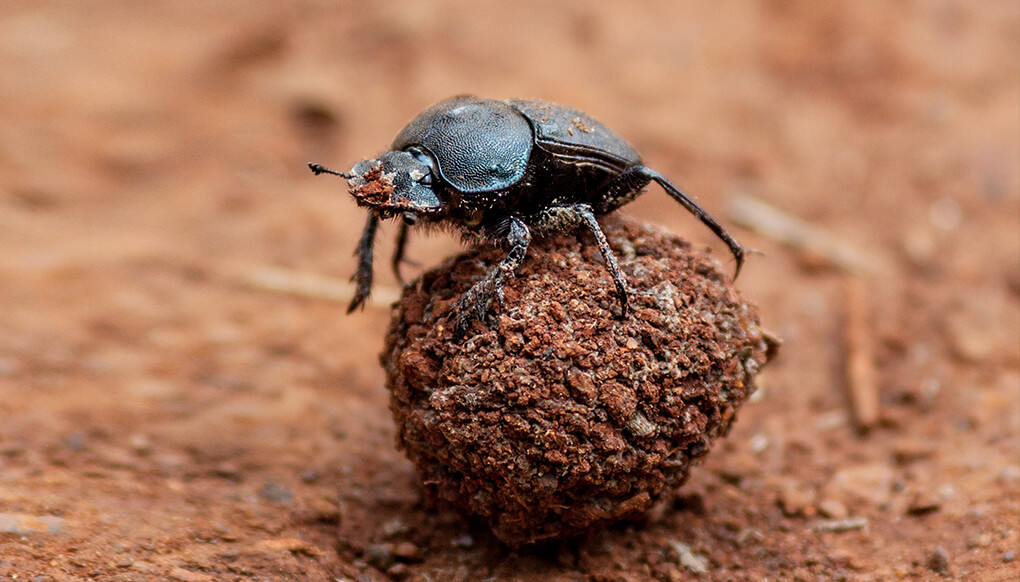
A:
556,415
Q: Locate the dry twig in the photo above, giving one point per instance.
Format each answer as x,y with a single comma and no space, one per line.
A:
771,222
316,286
860,359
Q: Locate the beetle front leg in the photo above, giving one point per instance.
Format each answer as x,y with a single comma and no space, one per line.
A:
475,301
363,276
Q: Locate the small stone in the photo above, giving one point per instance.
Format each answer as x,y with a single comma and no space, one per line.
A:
273,491
463,541
393,527
909,450
795,500
406,551
1008,557
397,571
923,503
737,466
140,444
982,540
380,555
178,573
227,471
697,564
75,442
832,509
224,533
870,483
125,562
23,524
292,545
1009,475
920,246
938,561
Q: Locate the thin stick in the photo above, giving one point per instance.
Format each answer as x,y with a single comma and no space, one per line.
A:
316,286
842,525
860,360
771,222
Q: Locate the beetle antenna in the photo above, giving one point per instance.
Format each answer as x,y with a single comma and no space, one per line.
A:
320,169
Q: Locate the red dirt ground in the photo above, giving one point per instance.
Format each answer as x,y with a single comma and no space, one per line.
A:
167,414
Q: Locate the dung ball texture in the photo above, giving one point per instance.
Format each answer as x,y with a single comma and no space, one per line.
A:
556,414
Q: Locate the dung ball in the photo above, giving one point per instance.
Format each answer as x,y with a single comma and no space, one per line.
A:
558,413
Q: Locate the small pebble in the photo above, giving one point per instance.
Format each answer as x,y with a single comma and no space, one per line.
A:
697,564
1008,557
938,561
273,491
463,541
380,555
125,562
795,500
393,527
227,471
833,509
871,483
406,551
982,540
75,442
1009,475
23,524
923,503
397,571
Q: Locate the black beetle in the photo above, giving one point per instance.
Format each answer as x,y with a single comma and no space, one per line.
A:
500,170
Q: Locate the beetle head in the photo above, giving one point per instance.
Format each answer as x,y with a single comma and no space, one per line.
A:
400,183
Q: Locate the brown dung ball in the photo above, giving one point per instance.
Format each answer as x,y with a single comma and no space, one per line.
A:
556,414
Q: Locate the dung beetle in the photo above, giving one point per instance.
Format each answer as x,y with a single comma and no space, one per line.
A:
500,171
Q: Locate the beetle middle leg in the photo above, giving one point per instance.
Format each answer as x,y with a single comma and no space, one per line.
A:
565,218
587,215
475,301
398,252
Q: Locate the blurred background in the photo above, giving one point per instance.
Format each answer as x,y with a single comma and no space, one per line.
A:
178,380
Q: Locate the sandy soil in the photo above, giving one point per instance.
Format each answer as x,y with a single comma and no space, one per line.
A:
168,413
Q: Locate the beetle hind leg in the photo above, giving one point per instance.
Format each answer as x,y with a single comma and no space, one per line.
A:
692,207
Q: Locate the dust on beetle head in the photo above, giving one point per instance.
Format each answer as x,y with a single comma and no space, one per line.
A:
398,183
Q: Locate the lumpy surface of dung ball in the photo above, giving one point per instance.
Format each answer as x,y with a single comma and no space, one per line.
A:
556,414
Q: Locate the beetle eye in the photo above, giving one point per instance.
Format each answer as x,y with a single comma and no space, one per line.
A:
426,180
410,218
